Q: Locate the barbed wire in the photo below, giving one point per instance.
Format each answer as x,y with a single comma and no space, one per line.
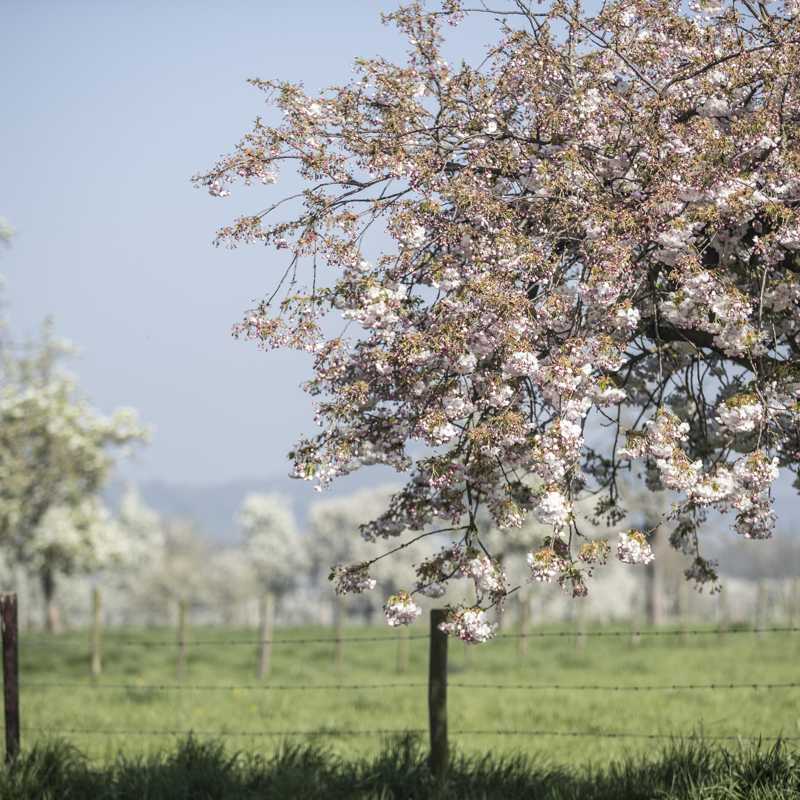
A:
418,685
406,732
592,734
219,734
215,643
632,632
234,688
328,640
662,687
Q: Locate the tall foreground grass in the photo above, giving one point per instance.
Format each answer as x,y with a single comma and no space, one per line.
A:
207,771
138,694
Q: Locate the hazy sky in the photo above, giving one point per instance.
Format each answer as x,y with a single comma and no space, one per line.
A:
108,109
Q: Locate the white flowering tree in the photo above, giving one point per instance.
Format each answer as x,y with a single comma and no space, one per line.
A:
56,452
270,542
143,535
182,572
593,270
272,548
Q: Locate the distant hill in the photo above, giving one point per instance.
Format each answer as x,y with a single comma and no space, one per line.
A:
213,506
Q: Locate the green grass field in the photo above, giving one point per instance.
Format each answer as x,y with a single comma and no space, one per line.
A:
242,713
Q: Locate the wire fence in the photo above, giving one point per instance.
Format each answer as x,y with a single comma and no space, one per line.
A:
415,686
176,687
406,732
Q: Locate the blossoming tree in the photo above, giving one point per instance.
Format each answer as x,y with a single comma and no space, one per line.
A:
593,269
270,542
56,453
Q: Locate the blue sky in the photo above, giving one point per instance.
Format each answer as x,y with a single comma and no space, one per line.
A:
108,110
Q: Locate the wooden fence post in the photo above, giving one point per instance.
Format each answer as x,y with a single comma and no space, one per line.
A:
683,606
402,649
524,603
180,672
636,620
437,696
580,639
793,606
267,620
722,617
341,620
8,610
97,666
761,610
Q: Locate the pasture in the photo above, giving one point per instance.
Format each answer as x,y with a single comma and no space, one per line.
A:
510,698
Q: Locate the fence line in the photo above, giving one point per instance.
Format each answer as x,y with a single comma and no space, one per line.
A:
347,639
437,686
407,731
418,685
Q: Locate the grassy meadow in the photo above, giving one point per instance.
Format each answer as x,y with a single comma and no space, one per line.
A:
138,691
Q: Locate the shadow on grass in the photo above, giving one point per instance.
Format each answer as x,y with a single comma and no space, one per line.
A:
204,771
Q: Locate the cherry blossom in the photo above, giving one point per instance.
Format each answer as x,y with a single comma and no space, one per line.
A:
353,579
633,548
400,609
592,272
471,625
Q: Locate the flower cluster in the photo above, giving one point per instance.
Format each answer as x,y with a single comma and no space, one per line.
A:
400,609
553,509
633,548
469,624
433,575
741,414
488,576
594,552
354,579
551,561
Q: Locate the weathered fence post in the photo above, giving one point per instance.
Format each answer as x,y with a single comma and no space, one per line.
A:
402,649
265,648
761,610
437,695
97,666
683,606
722,617
636,621
8,610
180,672
341,619
580,639
524,621
793,606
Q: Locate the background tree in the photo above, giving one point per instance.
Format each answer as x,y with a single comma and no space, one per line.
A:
270,542
181,573
272,548
56,453
144,534
595,259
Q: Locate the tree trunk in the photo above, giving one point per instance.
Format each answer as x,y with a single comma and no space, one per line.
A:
265,636
52,616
